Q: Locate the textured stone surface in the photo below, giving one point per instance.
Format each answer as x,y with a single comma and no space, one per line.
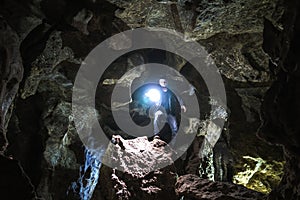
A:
233,17
11,73
230,30
239,57
191,187
23,19
44,65
135,181
258,174
281,105
251,101
235,46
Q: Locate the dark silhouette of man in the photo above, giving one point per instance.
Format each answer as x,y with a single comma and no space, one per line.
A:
165,109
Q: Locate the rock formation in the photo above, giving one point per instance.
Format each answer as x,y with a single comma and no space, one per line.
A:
280,108
254,45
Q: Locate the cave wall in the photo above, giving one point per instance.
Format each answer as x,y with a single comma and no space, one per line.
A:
49,39
281,107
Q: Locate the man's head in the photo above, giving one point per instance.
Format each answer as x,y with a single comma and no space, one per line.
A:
163,82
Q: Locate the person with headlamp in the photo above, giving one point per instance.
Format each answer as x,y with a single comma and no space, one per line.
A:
165,109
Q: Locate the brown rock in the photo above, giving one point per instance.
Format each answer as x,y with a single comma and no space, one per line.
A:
192,187
138,177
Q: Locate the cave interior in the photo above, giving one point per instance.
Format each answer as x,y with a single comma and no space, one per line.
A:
245,141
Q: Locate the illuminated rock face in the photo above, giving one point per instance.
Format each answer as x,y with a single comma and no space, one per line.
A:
135,182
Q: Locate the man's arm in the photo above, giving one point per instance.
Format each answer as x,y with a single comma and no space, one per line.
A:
182,106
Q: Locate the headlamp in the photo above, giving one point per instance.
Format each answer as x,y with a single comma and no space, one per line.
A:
153,95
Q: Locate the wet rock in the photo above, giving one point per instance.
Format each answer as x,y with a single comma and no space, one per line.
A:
84,187
191,187
250,145
288,188
140,177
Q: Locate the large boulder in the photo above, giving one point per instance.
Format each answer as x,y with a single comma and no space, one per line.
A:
138,176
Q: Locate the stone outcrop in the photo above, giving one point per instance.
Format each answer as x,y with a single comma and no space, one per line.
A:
191,187
138,175
131,180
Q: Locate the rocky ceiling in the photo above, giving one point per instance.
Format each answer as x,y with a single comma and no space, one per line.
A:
254,45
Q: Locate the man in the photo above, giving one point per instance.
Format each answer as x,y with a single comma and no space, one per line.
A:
165,111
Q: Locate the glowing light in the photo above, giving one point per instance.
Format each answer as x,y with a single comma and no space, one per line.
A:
153,95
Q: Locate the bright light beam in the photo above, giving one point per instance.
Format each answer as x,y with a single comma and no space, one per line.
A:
153,95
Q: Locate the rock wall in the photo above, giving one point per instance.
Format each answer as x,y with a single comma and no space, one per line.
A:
281,108
42,44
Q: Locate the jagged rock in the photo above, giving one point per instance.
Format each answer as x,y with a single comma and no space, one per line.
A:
239,57
11,73
281,107
251,101
258,174
242,60
53,54
233,17
191,187
43,135
23,19
61,153
58,154
230,30
140,177
81,20
145,13
57,119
